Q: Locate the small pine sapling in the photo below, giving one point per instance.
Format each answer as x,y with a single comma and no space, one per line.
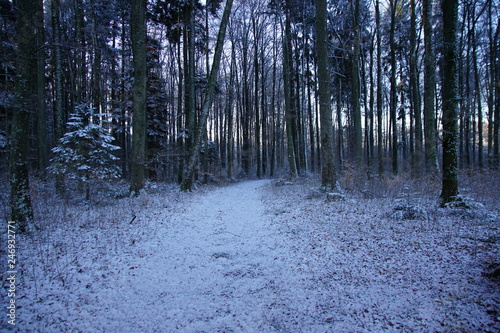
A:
85,152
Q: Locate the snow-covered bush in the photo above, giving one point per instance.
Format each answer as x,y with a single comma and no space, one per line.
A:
86,151
407,211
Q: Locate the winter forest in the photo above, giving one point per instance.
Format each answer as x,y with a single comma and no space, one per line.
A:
250,165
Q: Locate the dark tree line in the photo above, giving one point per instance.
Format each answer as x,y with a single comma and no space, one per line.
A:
297,87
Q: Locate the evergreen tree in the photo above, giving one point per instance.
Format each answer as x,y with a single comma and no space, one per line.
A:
86,151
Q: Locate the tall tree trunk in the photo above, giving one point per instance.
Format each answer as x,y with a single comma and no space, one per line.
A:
496,120
59,123
256,97
415,93
58,74
187,181
80,89
287,84
492,82
264,110
40,74
123,137
370,144
295,110
429,90
340,134
246,116
229,114
275,107
301,116
393,115
356,89
450,102
465,91
138,38
477,87
25,84
190,69
312,143
380,142
96,77
328,172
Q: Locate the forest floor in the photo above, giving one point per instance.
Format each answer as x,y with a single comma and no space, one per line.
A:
258,256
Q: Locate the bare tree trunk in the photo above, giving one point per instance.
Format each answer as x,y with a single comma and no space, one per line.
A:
429,90
274,106
393,115
370,144
496,120
312,142
190,69
264,118
380,142
229,114
356,89
246,116
42,110
328,172
340,130
58,85
450,102
477,87
492,83
25,84
256,97
80,87
187,181
288,96
415,94
138,37
123,136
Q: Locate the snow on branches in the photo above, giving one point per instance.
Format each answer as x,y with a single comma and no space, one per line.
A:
86,151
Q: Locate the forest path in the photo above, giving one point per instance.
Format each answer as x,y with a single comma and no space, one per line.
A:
254,257
219,266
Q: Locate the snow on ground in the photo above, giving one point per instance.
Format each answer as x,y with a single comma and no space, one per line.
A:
255,257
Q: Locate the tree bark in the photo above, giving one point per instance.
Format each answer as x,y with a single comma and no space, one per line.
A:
40,74
246,107
289,105
380,142
492,83
393,106
429,90
450,103
328,172
415,94
356,89
256,96
229,114
59,123
477,88
25,84
369,121
138,38
496,120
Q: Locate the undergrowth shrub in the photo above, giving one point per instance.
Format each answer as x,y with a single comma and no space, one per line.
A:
85,153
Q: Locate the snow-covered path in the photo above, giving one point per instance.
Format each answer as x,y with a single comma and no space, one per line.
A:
253,257
218,267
